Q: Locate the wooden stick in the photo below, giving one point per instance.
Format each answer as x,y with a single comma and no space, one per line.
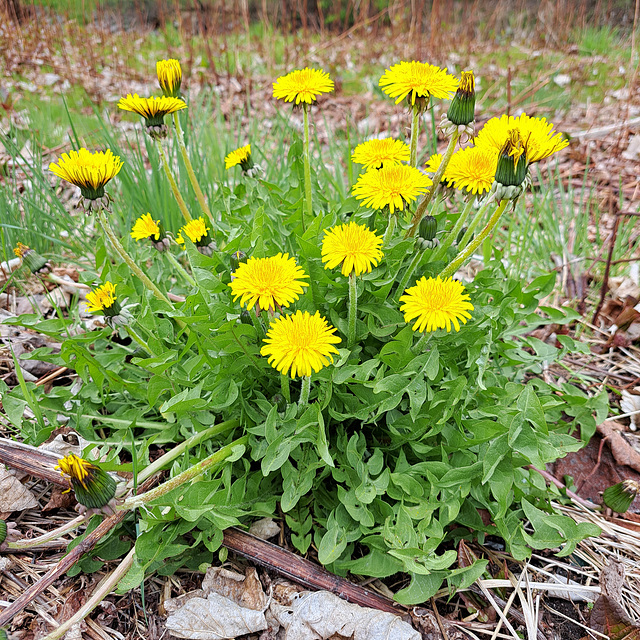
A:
303,571
32,461
68,561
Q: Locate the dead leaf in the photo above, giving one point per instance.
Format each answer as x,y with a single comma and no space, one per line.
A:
265,528
14,496
244,590
216,618
622,451
321,615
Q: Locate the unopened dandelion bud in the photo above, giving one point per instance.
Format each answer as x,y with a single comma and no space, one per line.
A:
169,77
93,487
245,317
32,260
427,231
236,259
461,235
462,108
3,531
511,170
620,496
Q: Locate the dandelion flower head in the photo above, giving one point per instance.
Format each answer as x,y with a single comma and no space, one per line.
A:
472,169
268,282
538,136
302,85
300,343
380,152
390,186
417,80
89,171
101,298
436,304
78,469
145,227
170,77
153,110
240,156
352,245
196,230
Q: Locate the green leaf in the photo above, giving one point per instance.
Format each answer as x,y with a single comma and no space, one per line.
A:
333,543
421,588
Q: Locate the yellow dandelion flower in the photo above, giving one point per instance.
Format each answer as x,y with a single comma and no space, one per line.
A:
170,77
196,230
472,169
145,227
436,304
381,152
433,163
538,136
353,245
241,156
153,110
417,81
268,281
390,186
302,85
21,250
102,299
301,342
93,487
89,171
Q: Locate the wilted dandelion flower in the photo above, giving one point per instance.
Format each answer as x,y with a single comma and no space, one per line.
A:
417,82
90,172
352,245
32,260
268,282
103,299
461,113
538,136
93,486
300,343
380,152
391,187
241,156
302,85
472,169
436,304
153,110
170,77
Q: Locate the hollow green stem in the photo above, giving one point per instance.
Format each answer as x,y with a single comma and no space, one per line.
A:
468,251
422,207
391,226
413,145
307,166
477,219
413,265
174,187
304,391
353,310
284,387
453,234
197,469
180,269
189,167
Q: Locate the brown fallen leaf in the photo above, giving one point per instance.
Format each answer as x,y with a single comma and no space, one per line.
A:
622,451
244,590
14,496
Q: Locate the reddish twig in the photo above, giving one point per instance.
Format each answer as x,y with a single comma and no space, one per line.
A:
605,282
303,571
574,496
597,465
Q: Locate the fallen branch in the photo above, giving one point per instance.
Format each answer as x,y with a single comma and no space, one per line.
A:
303,571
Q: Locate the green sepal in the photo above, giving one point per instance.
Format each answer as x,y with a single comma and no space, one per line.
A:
462,109
99,489
3,534
428,228
620,496
236,259
510,174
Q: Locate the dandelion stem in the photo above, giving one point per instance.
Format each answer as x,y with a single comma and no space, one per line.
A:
183,272
304,391
284,386
477,218
307,166
415,124
189,166
174,187
467,252
353,310
453,234
389,230
422,207
413,265
197,469
139,340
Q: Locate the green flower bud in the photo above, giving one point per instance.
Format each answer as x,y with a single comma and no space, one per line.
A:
462,107
93,486
512,168
236,259
245,317
620,496
32,260
428,228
